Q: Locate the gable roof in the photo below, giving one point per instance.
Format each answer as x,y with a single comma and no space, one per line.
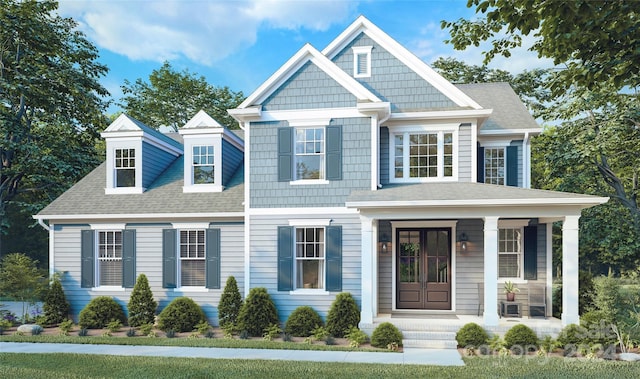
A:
126,125
509,113
305,54
363,25
201,120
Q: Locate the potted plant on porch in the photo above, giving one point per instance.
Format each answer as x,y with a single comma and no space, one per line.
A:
510,289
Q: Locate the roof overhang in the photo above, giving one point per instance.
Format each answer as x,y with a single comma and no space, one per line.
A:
94,218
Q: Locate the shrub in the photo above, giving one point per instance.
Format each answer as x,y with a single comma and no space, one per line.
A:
65,327
142,307
472,334
83,332
131,332
99,312
230,303
571,335
302,321
257,313
607,296
114,326
343,315
271,332
56,307
181,315
36,330
598,328
203,327
520,335
356,337
170,333
386,334
146,329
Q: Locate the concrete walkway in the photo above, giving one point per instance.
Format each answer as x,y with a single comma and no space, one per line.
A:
410,356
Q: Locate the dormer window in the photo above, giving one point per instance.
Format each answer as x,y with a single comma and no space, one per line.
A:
362,61
203,166
125,166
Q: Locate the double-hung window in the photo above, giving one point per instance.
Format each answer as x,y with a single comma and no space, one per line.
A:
494,165
423,155
203,166
310,254
309,153
125,166
110,258
510,252
192,258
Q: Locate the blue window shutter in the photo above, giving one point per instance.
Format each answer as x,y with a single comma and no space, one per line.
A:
512,166
128,258
169,265
87,258
531,252
285,154
285,258
334,152
213,258
334,258
480,164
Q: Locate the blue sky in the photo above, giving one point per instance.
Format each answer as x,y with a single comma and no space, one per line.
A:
240,43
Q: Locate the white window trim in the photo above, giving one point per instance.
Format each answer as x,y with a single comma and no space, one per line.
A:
440,130
357,50
96,258
112,146
513,224
191,140
189,227
320,223
310,124
504,163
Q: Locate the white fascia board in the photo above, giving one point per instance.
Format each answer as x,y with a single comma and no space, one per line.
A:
201,119
243,115
122,134
509,132
141,216
381,109
316,211
311,114
139,134
580,201
362,24
201,131
123,123
442,115
162,145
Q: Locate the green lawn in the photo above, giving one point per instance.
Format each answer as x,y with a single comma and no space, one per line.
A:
48,366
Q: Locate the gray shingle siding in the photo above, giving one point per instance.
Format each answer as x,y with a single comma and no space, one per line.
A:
393,81
465,164
267,192
264,257
154,162
518,144
309,88
232,157
149,262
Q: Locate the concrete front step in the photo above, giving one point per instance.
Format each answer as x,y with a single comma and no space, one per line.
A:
432,340
430,344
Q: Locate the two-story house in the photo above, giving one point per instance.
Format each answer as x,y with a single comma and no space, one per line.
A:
363,171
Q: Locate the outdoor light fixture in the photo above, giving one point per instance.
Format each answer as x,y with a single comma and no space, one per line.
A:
463,242
383,244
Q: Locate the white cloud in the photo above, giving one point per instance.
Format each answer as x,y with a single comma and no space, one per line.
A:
201,31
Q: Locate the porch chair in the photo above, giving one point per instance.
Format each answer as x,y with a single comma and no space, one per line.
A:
537,300
480,297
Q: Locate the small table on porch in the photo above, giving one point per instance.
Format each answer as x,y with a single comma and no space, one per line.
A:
510,309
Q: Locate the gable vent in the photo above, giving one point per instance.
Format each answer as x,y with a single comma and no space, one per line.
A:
362,61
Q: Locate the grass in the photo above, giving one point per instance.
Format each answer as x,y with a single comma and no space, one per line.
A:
91,366
186,342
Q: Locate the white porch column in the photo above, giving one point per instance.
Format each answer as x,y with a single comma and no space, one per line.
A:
570,281
367,266
491,271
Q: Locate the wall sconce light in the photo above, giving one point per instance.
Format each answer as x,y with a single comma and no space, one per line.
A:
384,244
463,239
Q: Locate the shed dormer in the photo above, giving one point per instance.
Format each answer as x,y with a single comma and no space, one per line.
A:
212,154
136,155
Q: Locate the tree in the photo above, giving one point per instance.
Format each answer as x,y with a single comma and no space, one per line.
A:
50,104
56,307
142,306
171,98
20,279
230,303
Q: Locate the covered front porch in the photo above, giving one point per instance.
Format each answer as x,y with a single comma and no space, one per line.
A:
446,249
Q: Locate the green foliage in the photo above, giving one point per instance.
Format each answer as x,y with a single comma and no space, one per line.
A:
146,329
343,315
48,123
303,321
230,303
65,327
142,307
472,334
320,333
56,307
386,334
607,297
356,337
181,315
83,332
114,326
36,330
520,335
20,279
271,332
571,335
131,332
203,327
101,311
257,313
170,333
598,328
171,98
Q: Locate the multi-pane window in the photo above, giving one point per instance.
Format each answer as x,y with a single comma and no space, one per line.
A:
203,168
423,155
310,153
494,171
125,165
192,258
310,253
110,258
509,252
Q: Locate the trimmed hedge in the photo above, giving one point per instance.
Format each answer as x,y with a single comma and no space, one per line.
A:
520,335
302,321
472,334
386,334
100,312
257,313
181,315
343,315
